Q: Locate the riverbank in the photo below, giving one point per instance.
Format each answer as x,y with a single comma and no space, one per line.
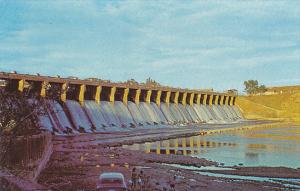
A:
77,162
80,169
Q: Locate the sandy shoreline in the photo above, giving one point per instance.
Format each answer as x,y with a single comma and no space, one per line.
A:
66,169
77,162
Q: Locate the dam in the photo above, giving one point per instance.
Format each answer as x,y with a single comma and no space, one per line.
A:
92,105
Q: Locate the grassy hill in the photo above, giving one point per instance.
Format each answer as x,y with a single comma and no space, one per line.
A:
279,106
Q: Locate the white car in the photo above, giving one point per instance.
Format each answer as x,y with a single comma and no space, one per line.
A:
111,181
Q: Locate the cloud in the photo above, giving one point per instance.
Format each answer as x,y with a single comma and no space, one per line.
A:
198,40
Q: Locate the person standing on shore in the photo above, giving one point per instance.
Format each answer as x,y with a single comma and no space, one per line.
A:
134,177
141,181
172,182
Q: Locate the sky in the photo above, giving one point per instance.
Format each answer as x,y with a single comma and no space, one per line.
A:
187,44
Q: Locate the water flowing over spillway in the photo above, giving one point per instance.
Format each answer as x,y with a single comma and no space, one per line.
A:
165,109
159,113
109,114
123,114
136,114
78,116
93,110
58,118
93,105
73,117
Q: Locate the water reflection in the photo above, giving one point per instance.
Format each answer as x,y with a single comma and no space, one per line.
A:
256,147
181,146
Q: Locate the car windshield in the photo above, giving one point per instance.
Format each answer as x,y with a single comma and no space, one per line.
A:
111,181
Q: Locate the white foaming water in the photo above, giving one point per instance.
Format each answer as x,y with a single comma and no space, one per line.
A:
210,113
221,108
153,111
148,111
177,115
145,113
78,116
123,114
159,113
135,113
202,113
167,113
193,113
198,112
230,112
109,113
238,112
106,114
234,113
213,112
185,113
59,118
218,114
93,110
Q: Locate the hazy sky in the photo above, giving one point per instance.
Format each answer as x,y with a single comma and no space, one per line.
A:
189,44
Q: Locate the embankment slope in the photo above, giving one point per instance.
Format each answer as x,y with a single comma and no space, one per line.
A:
278,106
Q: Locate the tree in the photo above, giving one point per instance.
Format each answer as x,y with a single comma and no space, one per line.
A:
19,115
152,83
252,87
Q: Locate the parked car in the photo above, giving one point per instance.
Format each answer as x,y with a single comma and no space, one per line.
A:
111,181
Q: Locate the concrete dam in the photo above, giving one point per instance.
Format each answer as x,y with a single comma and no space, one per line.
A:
86,106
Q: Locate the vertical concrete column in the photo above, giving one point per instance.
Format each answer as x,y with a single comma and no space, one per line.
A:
198,144
204,99
158,147
176,98
81,94
168,95
191,101
44,89
148,147
112,94
125,95
204,143
21,85
63,95
183,145
98,94
158,97
231,101
221,97
192,145
198,99
210,99
148,96
167,147
184,98
137,96
176,145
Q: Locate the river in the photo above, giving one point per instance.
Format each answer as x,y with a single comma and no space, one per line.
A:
274,147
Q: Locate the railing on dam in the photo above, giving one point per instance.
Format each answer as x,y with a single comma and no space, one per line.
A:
94,105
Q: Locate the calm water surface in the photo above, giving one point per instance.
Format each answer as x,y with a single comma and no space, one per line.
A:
279,146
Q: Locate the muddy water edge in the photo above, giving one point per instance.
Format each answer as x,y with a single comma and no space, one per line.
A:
75,166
